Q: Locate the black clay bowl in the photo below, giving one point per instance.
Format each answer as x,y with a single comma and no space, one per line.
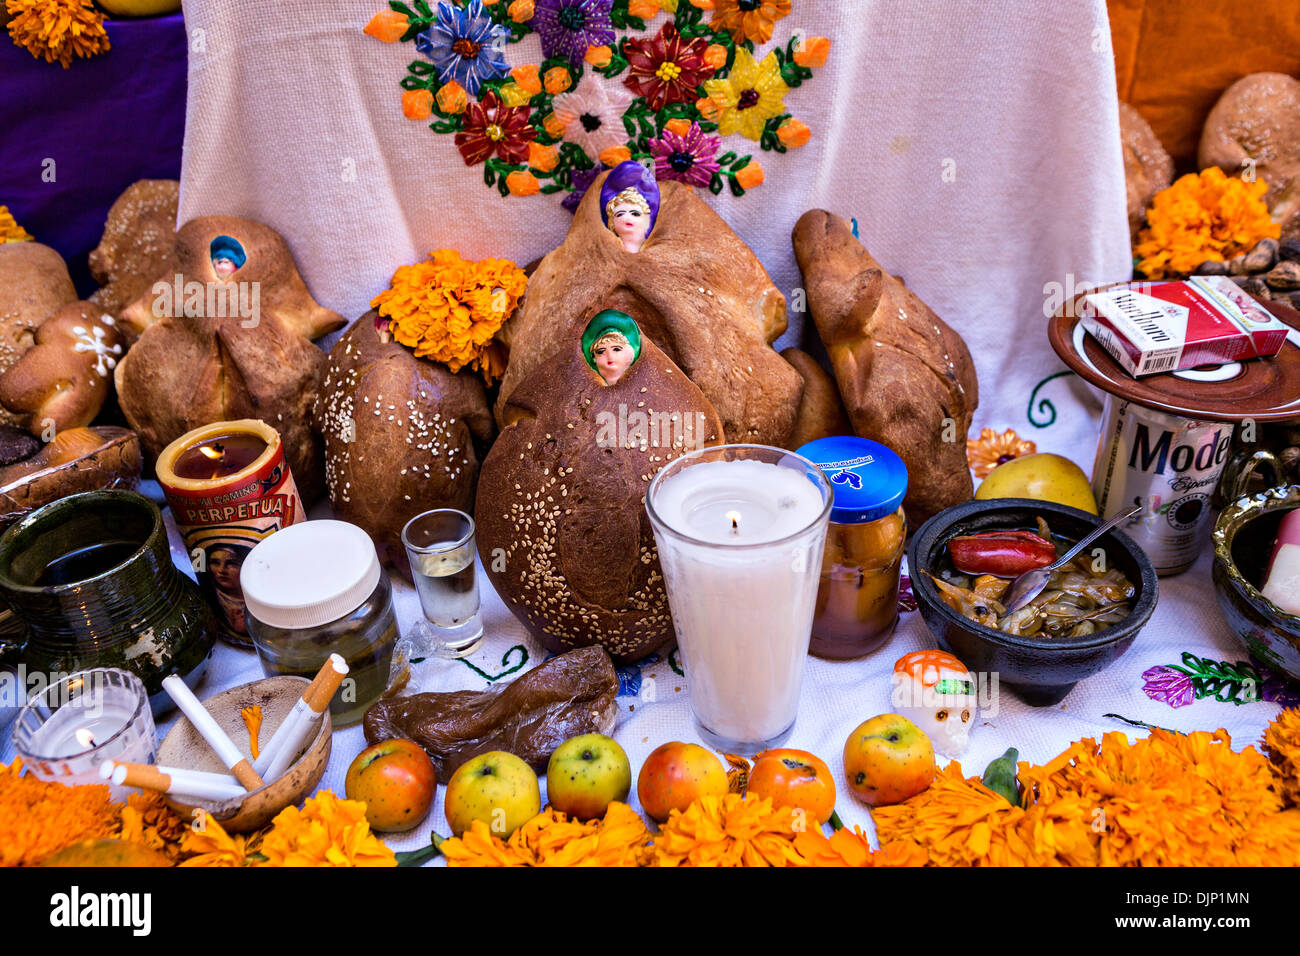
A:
1243,541
1039,671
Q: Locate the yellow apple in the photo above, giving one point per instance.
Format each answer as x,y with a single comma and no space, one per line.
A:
888,759
140,8
586,774
497,788
1045,477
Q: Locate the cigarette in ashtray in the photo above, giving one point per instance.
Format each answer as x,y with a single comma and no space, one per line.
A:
173,780
221,744
301,721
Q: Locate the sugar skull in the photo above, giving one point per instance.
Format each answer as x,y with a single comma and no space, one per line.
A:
936,692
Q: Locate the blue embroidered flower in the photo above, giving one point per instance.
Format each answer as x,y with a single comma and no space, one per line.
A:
465,45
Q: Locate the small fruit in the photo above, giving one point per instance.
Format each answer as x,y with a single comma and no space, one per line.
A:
888,759
396,781
140,8
1045,477
497,788
586,774
675,774
794,778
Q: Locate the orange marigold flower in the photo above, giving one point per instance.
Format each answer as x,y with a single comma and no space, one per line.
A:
1205,216
57,30
452,97
728,830
210,845
557,80
812,52
542,157
551,123
643,9
615,155
716,55
620,838
523,183
417,104
1282,744
793,133
327,831
148,821
38,818
449,309
710,109
750,175
10,231
528,78
748,19
520,11
598,56
388,25
988,451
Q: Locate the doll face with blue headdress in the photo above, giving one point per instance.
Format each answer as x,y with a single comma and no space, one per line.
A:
629,203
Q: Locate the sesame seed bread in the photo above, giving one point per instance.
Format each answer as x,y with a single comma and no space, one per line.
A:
400,435
34,284
901,371
562,495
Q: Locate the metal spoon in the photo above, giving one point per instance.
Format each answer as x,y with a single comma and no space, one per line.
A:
1029,585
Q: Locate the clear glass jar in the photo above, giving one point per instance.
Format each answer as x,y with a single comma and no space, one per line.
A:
857,597
317,592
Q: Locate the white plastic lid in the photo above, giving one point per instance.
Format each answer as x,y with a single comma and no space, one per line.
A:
309,574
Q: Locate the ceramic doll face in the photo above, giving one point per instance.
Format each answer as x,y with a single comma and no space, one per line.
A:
630,222
612,358
936,692
223,267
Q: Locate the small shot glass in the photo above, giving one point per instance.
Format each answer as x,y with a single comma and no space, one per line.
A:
441,548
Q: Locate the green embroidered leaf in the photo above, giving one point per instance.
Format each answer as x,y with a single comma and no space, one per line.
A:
424,9
771,140
736,188
414,83
420,67
400,8
446,126
715,184
552,188
414,30
622,20
727,158
740,164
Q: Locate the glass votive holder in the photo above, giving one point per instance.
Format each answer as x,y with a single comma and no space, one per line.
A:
67,730
440,545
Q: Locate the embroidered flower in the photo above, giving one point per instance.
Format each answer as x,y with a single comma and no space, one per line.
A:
591,114
417,104
1168,685
991,449
388,26
750,20
752,93
687,158
667,68
750,175
57,30
580,181
465,45
452,98
491,128
569,27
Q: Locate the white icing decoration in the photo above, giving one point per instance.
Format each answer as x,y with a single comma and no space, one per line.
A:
95,341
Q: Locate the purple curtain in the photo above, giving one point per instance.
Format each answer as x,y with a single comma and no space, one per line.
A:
105,122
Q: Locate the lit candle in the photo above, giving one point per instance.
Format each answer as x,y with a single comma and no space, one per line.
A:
740,542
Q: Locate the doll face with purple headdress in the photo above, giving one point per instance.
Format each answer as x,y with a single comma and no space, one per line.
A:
629,203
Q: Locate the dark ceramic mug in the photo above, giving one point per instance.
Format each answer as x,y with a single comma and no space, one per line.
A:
91,576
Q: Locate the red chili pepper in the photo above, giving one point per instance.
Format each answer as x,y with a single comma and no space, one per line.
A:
1001,553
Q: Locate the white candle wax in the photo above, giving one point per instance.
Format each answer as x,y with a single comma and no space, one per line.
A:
743,591
64,734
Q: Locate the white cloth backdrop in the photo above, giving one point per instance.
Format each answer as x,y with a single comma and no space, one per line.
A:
1015,100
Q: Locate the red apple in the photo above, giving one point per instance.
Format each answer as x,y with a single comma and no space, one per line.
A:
675,774
396,781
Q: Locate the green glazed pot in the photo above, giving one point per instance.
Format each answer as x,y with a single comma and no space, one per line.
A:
126,606
1243,541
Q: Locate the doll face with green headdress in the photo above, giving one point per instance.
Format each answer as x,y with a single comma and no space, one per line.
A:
610,344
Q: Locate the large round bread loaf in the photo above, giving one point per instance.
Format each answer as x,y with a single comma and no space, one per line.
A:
562,526
399,435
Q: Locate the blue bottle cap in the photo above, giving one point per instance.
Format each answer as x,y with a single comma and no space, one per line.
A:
867,478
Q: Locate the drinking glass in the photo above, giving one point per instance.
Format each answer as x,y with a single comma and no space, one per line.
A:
441,548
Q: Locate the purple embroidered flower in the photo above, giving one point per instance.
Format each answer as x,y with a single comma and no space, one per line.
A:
582,180
568,27
1168,685
906,599
465,45
688,159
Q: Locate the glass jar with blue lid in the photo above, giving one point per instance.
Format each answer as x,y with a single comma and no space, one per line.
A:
857,598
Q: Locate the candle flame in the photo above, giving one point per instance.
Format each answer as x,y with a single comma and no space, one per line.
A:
734,518
85,737
215,451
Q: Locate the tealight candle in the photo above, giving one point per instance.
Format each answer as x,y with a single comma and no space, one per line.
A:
740,531
68,730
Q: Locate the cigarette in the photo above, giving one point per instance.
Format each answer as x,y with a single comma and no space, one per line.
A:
173,780
301,721
222,745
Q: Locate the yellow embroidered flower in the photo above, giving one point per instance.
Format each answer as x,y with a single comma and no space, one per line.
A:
512,94
449,309
10,231
551,839
327,831
1205,216
57,30
729,830
749,19
210,845
752,93
988,451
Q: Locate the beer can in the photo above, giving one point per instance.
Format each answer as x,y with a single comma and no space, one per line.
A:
246,495
1169,466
